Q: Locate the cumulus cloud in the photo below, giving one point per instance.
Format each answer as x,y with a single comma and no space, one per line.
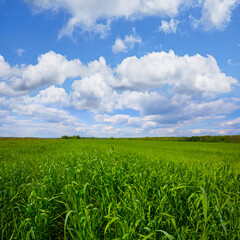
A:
92,90
100,88
119,46
216,13
4,67
51,68
169,27
7,90
6,71
166,91
126,44
185,74
93,93
98,67
52,95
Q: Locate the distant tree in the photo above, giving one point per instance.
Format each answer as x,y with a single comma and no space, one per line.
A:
65,137
75,137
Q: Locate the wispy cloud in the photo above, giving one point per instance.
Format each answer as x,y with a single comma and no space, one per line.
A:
169,27
216,14
20,51
127,43
230,62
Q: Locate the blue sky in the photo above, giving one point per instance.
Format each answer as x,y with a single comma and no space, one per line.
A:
119,68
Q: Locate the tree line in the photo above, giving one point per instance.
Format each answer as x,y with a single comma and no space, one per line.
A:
207,138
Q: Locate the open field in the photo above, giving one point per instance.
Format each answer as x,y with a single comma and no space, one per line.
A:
119,189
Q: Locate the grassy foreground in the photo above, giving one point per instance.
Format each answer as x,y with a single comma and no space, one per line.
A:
119,189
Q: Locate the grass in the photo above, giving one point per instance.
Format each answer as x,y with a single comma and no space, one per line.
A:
119,189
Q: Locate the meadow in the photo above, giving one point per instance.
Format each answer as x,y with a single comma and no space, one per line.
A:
119,189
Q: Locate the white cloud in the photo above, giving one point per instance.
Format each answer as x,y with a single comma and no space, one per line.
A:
206,131
126,44
174,123
234,123
121,119
51,68
132,39
55,122
115,119
169,27
208,109
5,118
4,67
6,90
33,107
20,51
40,112
163,131
52,95
119,46
93,93
230,62
147,102
4,113
187,74
98,67
17,127
6,71
94,15
98,130
184,112
165,91
216,13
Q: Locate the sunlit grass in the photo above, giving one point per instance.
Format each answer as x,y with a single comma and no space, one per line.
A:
118,189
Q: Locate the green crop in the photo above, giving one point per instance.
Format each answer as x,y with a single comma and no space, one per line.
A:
119,189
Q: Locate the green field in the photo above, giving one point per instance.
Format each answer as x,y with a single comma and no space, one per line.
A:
119,189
